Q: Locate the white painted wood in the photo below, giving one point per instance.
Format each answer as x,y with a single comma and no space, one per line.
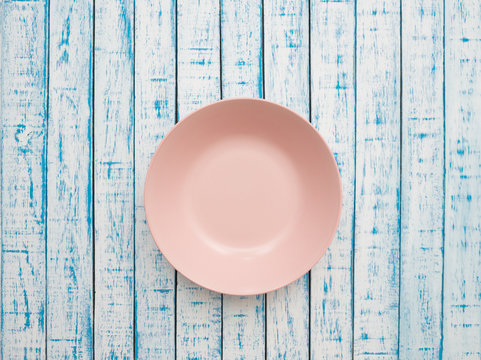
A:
114,179
154,116
243,327
332,32
241,48
46,176
422,192
2,31
69,182
199,311
286,37
23,175
241,26
462,254
376,258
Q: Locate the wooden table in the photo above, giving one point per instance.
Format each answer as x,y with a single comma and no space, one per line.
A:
90,87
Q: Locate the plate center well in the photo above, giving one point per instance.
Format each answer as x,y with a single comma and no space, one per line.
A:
242,194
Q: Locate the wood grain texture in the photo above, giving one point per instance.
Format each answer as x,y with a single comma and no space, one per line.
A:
243,334
81,115
199,311
114,179
286,46
241,28
2,85
376,258
23,176
462,255
154,116
69,181
333,114
422,182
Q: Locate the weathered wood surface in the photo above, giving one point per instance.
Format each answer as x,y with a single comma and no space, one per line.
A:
377,202
89,89
154,116
69,181
462,242
422,189
114,179
23,178
333,114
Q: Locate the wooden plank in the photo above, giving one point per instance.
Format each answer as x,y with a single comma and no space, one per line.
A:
114,179
241,25
376,258
462,255
2,85
154,116
286,56
69,181
23,175
332,31
422,182
241,48
243,327
199,311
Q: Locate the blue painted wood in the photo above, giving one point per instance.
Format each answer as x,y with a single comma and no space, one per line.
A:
199,311
286,54
2,32
154,116
422,191
377,202
243,335
69,181
114,179
400,296
333,114
24,56
462,255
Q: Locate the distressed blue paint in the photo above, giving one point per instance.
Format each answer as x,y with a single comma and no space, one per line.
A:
333,114
114,179
462,255
154,116
422,181
377,198
53,235
24,112
69,182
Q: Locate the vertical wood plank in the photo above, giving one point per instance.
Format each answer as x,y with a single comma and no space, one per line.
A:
241,24
333,114
154,116
286,39
241,49
376,258
199,311
23,175
422,191
462,255
69,181
2,31
114,179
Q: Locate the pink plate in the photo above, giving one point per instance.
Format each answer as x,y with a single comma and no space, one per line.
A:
243,196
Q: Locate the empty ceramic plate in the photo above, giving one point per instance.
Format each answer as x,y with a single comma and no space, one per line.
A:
243,196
